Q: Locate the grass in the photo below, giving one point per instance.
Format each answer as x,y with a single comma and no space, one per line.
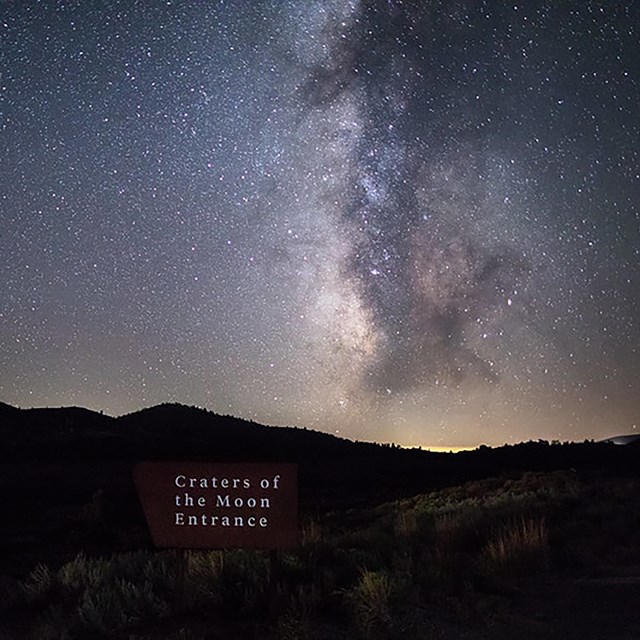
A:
370,601
401,569
518,549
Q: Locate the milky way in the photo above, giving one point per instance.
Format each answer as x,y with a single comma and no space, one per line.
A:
401,221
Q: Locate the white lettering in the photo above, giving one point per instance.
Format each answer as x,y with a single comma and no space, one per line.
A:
183,482
224,521
224,502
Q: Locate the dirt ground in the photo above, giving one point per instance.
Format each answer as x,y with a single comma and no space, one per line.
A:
603,608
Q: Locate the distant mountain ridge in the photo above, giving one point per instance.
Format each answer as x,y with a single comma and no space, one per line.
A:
333,473
71,435
167,420
166,430
623,440
327,464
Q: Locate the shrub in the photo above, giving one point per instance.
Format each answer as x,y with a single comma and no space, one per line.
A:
458,531
119,604
518,549
370,601
311,533
203,577
39,585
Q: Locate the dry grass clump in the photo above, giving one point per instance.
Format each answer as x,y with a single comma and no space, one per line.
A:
370,600
519,548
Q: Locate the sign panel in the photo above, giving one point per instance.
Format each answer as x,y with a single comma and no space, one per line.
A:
197,505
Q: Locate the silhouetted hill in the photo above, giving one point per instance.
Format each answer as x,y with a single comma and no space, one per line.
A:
173,432
177,430
39,434
6,410
9,417
51,420
624,440
329,466
160,432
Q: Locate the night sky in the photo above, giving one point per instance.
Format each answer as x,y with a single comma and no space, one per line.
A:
413,221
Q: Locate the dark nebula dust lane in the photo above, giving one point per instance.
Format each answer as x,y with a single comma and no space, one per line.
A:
395,220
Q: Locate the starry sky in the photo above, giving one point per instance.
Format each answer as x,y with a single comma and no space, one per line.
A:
399,221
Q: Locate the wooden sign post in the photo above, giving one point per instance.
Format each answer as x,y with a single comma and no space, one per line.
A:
194,505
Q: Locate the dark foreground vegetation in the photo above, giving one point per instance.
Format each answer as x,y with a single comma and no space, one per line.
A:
533,541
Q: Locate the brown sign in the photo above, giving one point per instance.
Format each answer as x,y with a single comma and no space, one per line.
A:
195,505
